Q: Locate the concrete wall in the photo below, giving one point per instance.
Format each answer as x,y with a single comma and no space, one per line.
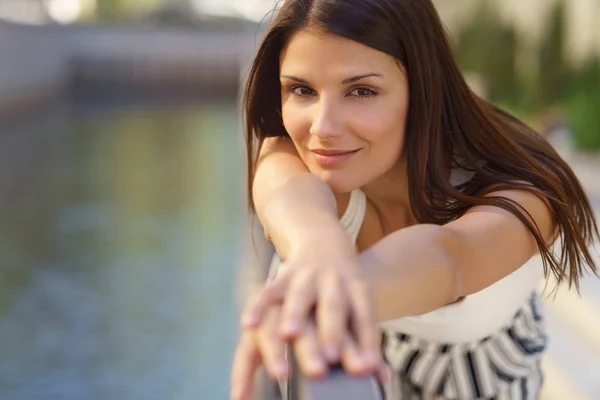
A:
32,66
146,55
38,62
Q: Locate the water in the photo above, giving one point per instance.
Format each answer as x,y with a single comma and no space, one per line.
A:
118,243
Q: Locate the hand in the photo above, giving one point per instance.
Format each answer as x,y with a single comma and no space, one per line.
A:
332,281
263,345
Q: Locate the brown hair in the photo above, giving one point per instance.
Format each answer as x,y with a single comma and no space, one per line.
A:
447,125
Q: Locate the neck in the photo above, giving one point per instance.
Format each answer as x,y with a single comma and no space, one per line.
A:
391,188
389,195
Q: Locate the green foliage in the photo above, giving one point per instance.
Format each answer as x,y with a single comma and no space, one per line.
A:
123,10
583,108
488,47
554,74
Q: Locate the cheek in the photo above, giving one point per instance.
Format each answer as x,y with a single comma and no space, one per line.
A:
295,124
384,133
383,130
387,150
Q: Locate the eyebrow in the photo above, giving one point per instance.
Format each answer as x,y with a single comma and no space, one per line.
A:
344,82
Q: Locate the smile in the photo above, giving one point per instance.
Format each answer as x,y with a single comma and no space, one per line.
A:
328,158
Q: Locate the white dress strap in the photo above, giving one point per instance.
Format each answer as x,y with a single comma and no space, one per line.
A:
355,214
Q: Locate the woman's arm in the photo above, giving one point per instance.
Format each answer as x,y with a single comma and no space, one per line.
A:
300,214
422,268
296,208
427,266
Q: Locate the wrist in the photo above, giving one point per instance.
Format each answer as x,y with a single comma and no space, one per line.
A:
323,239
328,235
300,214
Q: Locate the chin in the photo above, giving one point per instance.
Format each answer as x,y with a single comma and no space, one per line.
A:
337,181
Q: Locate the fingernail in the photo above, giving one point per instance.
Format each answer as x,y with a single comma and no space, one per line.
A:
358,363
290,327
281,370
316,365
370,358
332,353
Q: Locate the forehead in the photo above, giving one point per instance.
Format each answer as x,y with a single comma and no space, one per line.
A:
307,50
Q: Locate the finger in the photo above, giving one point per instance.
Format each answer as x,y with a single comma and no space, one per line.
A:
364,323
272,346
298,304
332,317
246,361
271,292
308,354
383,373
352,361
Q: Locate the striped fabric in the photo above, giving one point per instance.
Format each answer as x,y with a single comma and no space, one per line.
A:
504,366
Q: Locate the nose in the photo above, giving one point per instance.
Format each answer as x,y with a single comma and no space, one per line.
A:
326,122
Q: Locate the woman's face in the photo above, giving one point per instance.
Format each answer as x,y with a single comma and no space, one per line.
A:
344,106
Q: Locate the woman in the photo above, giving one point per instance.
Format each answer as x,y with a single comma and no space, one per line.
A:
399,201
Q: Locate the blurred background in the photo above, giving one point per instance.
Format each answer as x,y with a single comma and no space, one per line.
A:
124,241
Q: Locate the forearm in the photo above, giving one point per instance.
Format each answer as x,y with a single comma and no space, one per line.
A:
253,265
294,206
299,214
413,271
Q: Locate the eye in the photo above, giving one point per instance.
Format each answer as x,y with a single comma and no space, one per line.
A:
301,91
363,92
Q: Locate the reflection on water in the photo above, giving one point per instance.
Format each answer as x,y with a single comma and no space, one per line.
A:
117,249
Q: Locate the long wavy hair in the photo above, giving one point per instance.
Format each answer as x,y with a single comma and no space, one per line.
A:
447,126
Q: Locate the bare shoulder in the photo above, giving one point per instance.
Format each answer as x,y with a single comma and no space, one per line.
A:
492,242
535,208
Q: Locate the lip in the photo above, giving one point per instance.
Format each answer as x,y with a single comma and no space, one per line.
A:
328,158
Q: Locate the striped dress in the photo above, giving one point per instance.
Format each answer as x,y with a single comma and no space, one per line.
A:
501,366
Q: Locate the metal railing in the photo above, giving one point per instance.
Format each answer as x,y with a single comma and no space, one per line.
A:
337,385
